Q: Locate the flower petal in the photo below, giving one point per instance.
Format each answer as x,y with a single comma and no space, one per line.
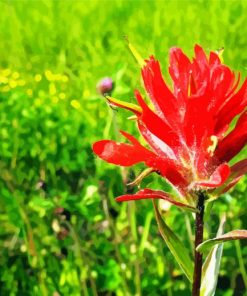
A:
160,95
214,59
129,154
179,70
238,170
234,106
222,81
197,125
121,153
233,143
218,177
155,124
159,146
156,194
131,139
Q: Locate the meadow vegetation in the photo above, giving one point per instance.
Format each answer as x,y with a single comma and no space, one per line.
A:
61,231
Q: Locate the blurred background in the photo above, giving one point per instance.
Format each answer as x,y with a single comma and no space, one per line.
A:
61,231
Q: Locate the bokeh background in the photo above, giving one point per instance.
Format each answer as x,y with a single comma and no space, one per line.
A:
61,231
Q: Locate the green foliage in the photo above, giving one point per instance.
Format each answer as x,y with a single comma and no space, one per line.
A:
229,236
61,231
212,266
176,247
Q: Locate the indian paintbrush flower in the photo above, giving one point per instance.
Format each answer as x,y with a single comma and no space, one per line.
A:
187,129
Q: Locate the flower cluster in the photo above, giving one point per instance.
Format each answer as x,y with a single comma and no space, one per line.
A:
187,129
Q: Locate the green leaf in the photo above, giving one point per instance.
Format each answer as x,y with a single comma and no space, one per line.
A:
211,266
176,247
232,235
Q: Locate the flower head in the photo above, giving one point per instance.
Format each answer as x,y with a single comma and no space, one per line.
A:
187,131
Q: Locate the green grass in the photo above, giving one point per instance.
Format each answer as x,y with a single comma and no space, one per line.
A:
52,54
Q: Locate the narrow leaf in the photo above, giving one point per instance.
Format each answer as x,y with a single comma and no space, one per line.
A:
141,176
126,105
135,53
211,266
232,235
176,247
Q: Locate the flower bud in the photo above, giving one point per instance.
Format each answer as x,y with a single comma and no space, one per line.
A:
105,86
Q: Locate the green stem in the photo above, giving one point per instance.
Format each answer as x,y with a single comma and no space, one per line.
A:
145,233
83,284
241,262
169,291
199,225
116,238
132,219
93,286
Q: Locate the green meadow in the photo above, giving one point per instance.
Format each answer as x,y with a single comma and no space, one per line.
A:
62,232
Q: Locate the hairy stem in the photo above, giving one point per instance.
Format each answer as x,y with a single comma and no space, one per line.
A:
198,240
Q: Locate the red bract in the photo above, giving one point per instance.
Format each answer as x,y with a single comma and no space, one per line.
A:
187,130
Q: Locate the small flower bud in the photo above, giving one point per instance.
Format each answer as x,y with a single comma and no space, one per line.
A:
105,86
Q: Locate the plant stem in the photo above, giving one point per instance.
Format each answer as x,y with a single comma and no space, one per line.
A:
133,227
81,261
115,244
198,240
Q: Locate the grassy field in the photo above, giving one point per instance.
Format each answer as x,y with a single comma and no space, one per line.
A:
61,231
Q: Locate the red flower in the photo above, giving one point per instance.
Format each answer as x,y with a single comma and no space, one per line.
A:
188,130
